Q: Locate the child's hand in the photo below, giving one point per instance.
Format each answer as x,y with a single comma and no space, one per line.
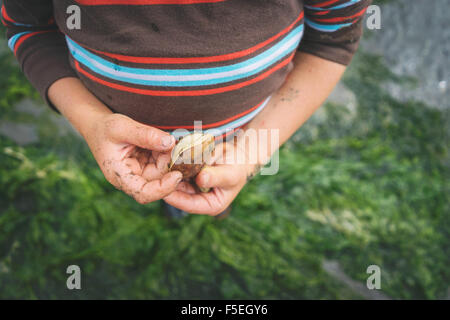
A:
225,180
133,157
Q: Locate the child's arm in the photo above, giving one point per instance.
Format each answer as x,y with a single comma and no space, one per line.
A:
36,42
305,89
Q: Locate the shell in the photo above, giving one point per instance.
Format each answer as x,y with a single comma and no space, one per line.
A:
190,154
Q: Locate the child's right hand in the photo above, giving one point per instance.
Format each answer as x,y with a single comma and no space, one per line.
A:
133,157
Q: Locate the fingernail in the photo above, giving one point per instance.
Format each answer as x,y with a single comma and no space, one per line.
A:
167,141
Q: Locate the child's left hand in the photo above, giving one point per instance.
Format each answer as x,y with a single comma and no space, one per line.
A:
225,180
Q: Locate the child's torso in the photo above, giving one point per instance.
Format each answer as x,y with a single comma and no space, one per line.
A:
169,65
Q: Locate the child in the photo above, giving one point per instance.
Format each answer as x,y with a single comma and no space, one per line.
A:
133,70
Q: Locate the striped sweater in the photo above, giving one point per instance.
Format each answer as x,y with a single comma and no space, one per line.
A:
168,63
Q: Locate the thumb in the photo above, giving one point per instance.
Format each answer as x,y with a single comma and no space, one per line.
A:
223,176
124,129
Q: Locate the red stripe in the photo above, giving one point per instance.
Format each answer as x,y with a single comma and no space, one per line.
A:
339,19
141,2
5,15
225,57
186,93
25,37
324,4
321,13
215,124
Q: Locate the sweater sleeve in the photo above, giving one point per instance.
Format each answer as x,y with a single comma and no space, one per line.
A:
36,42
333,28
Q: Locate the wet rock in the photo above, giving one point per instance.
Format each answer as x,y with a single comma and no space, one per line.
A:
414,40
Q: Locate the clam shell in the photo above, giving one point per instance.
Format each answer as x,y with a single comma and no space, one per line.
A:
190,153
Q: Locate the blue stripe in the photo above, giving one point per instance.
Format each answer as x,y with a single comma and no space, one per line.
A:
77,51
344,5
13,40
227,127
20,24
326,27
184,83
